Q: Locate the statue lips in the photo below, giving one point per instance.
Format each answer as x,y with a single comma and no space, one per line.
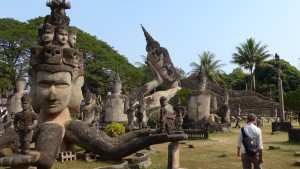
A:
52,104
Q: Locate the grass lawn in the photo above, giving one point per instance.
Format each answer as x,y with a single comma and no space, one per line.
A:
206,153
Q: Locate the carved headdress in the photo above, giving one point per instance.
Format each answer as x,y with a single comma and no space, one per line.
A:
117,77
54,58
150,41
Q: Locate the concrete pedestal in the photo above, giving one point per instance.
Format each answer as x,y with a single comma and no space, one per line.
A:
173,155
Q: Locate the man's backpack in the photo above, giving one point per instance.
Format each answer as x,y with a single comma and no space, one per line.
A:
249,145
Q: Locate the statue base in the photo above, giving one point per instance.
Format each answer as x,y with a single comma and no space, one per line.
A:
281,126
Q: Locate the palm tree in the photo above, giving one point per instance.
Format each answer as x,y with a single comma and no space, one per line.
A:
210,66
249,55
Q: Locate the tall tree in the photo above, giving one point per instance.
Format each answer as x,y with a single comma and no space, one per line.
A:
267,79
237,79
180,73
16,38
211,67
101,60
249,55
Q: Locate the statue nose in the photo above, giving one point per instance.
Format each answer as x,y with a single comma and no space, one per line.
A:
52,93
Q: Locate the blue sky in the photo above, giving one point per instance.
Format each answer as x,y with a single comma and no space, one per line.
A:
185,28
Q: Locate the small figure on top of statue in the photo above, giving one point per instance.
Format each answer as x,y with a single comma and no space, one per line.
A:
139,115
164,126
24,123
180,112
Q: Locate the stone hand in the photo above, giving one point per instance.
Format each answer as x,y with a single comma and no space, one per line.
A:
18,159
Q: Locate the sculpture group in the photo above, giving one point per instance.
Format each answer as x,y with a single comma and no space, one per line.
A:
56,78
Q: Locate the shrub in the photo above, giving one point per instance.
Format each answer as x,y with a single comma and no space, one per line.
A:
153,120
114,129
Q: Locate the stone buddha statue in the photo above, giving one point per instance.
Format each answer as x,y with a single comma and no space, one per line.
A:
199,101
116,104
90,111
224,110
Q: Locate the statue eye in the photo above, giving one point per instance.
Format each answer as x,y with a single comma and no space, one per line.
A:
61,85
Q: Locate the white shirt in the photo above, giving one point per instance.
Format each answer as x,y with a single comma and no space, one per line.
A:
254,133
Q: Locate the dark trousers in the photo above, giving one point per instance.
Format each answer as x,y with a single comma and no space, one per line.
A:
247,161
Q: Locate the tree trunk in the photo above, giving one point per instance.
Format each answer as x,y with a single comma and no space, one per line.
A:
253,80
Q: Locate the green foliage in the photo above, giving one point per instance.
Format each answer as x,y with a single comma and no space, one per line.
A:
249,55
153,120
237,79
114,129
267,78
210,65
291,100
183,96
180,73
101,60
16,38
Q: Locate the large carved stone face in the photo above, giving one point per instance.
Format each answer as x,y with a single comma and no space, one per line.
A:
53,91
62,36
72,40
48,36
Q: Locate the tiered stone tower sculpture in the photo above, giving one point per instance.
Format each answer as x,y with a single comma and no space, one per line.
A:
280,89
116,104
56,78
14,100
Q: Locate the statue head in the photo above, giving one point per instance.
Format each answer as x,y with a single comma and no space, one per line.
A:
72,38
61,35
46,33
25,100
202,79
178,101
226,96
117,84
163,101
56,78
88,96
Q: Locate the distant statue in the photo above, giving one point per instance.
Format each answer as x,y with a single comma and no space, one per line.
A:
180,112
90,111
130,116
213,110
14,104
278,65
24,123
159,57
116,104
139,116
164,126
224,110
199,101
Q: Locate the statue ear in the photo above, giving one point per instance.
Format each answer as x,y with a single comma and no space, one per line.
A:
79,81
76,95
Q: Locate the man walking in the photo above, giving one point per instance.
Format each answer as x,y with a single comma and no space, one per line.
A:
254,133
